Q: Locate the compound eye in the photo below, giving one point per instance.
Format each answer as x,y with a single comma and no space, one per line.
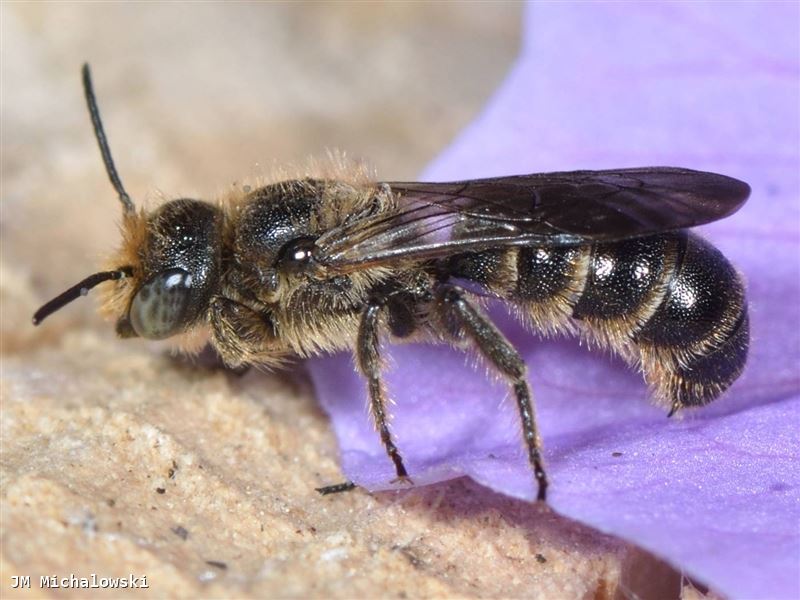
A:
159,308
296,255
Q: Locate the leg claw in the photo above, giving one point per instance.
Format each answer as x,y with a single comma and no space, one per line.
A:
403,479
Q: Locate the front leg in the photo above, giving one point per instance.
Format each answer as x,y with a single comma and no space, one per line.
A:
242,335
369,363
458,313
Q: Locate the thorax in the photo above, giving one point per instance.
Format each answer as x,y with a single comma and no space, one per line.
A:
310,312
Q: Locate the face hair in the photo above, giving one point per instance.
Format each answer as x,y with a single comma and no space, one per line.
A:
100,134
76,291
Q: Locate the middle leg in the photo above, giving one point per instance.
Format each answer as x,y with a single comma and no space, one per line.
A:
369,363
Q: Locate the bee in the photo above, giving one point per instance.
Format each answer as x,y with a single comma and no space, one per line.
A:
309,265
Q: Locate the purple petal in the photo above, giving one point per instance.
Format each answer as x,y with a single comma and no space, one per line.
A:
614,85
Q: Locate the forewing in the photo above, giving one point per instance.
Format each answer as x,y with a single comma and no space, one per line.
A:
440,219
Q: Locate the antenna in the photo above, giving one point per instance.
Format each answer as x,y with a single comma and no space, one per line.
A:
82,288
100,134
76,291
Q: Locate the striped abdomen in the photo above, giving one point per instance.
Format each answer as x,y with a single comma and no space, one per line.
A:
670,303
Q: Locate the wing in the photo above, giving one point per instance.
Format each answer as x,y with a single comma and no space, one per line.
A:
440,219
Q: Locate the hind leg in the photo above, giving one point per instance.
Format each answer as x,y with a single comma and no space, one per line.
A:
498,352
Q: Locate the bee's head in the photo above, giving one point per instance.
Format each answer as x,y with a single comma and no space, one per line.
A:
172,263
168,267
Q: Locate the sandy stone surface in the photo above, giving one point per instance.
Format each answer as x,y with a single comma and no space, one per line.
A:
120,459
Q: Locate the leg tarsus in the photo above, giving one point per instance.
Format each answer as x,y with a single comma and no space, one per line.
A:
523,395
337,488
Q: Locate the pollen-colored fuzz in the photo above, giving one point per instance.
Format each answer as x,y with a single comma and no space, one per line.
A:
116,295
334,167
192,341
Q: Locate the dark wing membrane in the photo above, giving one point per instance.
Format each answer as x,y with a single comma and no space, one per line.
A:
440,219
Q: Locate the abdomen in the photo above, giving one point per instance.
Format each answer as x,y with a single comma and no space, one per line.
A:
671,304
